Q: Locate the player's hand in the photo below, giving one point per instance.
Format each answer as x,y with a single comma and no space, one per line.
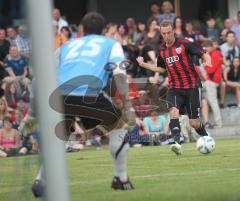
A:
140,61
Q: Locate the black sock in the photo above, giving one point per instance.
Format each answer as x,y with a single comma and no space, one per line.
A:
175,128
201,130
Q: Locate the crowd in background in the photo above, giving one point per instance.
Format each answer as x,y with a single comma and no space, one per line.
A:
147,89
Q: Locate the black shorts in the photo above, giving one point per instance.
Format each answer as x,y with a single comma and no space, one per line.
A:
186,100
92,111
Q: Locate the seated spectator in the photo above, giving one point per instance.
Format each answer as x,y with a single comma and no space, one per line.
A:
4,112
16,66
138,135
143,104
12,93
231,76
155,126
20,112
167,9
4,50
65,31
155,122
9,139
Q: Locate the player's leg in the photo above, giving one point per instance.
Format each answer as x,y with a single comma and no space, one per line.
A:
175,101
193,104
118,145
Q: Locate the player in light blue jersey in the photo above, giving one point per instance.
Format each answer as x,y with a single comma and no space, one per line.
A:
85,66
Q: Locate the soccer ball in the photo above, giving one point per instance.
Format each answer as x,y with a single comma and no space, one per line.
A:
205,144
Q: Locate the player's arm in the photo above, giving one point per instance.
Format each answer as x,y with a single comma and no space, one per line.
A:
149,66
197,50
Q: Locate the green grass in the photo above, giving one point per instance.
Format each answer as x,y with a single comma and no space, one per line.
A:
156,173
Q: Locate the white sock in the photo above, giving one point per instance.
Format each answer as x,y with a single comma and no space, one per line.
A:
116,138
40,174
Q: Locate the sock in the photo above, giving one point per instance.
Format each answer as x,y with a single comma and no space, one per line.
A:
201,130
175,128
40,174
119,149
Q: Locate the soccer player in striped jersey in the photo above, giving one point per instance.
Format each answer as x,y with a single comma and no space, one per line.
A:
184,94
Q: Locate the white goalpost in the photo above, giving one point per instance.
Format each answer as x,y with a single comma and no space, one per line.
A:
52,149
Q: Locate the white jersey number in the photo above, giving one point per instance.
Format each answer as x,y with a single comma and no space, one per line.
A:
91,48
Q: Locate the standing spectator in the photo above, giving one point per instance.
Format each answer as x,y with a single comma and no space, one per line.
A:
122,34
155,10
18,41
190,33
139,32
167,9
235,28
25,44
231,78
229,49
60,38
4,50
211,32
228,23
179,27
111,30
150,42
213,79
57,18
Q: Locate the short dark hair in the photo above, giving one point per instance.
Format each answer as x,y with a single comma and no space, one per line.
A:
93,23
230,32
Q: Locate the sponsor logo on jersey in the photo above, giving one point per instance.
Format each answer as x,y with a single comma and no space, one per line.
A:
172,59
179,50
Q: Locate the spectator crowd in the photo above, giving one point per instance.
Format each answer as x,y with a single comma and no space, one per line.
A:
147,89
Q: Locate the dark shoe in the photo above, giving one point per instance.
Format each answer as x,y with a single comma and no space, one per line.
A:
117,184
37,188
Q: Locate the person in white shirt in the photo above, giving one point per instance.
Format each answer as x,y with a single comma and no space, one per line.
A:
57,17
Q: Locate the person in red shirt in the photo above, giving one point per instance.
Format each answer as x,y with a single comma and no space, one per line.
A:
213,78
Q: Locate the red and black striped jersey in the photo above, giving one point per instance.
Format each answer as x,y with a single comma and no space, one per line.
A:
178,62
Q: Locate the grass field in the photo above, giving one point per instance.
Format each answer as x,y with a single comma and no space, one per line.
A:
157,174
